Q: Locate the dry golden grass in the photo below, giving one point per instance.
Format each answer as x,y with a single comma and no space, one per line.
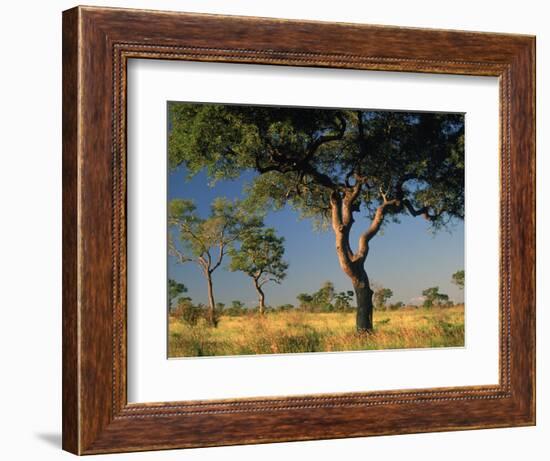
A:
297,331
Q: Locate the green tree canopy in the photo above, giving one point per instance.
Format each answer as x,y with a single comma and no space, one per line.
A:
432,297
236,304
414,160
458,279
260,256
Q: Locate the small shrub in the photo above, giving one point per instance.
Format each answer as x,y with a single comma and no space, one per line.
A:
188,312
396,306
304,339
236,309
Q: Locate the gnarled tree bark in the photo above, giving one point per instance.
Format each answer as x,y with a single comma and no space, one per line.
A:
353,264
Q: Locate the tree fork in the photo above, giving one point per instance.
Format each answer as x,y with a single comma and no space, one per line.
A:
353,264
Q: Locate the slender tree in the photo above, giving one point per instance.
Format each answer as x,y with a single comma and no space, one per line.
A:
206,241
331,165
260,256
432,297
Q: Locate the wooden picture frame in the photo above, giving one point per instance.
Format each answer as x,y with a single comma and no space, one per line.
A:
97,43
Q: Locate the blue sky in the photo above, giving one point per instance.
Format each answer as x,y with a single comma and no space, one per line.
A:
406,257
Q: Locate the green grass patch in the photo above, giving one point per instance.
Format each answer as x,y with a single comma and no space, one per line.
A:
298,332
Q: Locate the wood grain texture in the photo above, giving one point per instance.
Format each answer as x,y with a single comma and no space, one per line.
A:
97,43
70,384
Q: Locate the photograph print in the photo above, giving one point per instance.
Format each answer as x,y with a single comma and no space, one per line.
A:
302,230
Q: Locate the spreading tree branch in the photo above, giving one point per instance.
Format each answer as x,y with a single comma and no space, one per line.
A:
375,225
221,254
424,211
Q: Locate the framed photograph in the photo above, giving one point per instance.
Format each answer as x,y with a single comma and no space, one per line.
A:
281,230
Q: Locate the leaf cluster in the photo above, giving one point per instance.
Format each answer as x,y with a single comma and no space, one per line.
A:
260,256
458,279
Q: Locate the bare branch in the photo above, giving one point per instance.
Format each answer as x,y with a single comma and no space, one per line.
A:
269,279
221,254
182,259
424,211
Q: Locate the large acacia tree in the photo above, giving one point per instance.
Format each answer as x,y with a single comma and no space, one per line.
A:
330,165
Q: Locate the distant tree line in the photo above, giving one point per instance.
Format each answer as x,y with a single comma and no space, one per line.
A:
326,299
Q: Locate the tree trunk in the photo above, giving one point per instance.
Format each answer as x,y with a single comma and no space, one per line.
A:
363,296
353,264
261,297
211,301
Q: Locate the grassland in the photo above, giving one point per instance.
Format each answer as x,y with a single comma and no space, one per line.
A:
296,331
